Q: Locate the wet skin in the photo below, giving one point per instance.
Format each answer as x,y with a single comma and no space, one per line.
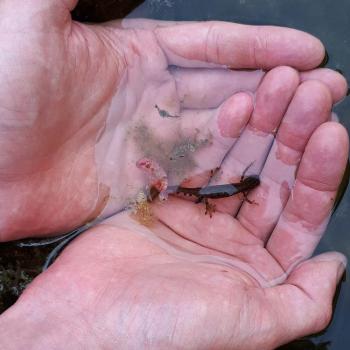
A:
188,281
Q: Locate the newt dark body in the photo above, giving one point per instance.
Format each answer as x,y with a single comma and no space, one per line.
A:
217,191
161,188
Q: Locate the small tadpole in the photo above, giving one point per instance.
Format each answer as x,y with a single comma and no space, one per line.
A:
165,114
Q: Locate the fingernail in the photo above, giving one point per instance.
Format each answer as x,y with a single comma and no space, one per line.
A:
342,262
341,270
325,60
339,71
337,258
337,290
343,278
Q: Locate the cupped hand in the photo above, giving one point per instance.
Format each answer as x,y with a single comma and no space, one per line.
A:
242,279
78,106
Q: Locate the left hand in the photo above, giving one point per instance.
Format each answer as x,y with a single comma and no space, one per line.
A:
78,105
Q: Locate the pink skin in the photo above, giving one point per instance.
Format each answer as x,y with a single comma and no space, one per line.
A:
71,98
310,107
327,77
157,175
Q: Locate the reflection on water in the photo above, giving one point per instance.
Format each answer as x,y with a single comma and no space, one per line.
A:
327,21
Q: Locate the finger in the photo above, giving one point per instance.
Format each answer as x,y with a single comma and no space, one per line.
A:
220,232
69,4
35,15
310,107
272,99
239,46
143,23
306,297
305,217
209,135
208,88
335,81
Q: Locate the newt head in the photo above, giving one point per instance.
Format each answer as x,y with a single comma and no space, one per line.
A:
251,181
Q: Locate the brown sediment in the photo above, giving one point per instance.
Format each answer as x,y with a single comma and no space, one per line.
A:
181,158
141,210
187,146
176,157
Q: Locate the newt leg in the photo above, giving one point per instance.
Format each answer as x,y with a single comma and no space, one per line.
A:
245,198
209,207
245,171
214,172
199,200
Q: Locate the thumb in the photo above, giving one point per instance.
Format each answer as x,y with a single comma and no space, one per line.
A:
304,301
35,14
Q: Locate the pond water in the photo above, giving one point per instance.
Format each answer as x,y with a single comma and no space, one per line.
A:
329,20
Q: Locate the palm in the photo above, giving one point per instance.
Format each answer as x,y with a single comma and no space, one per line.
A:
103,94
102,83
125,280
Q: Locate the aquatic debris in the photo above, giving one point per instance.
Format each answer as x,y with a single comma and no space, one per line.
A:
141,209
158,178
165,114
184,148
157,186
181,150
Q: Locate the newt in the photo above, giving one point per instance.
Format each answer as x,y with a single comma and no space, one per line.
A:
159,186
217,191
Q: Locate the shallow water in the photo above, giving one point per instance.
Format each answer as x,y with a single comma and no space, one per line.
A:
328,20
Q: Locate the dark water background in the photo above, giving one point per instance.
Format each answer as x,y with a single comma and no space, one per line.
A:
329,20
